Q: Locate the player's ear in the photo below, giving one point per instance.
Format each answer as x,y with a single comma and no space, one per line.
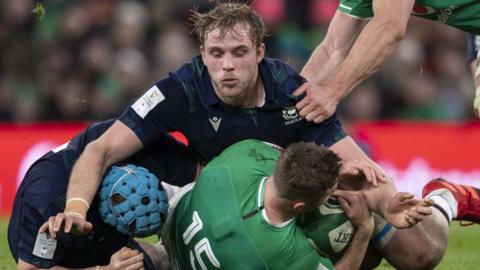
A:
299,207
260,52
202,52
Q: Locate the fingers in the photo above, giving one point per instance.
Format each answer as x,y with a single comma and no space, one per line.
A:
345,206
44,228
405,197
58,222
301,89
341,193
68,225
51,227
135,262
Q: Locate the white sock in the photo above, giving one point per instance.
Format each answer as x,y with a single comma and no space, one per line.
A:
445,200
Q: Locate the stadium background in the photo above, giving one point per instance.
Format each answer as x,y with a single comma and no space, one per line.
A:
86,60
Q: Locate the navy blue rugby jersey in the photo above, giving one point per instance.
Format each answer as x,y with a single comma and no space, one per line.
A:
167,158
185,101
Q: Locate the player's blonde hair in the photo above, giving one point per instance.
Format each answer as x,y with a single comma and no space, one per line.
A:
225,16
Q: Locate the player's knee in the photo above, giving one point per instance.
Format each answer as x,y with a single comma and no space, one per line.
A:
428,257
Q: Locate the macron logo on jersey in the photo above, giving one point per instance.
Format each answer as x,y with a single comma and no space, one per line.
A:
215,121
148,101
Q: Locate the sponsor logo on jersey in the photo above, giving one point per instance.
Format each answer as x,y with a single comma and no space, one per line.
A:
340,236
290,115
148,101
215,121
442,15
446,13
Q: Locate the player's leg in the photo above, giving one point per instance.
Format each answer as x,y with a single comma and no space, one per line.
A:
427,240
419,247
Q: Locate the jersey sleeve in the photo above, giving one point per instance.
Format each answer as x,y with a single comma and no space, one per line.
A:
326,133
159,110
357,8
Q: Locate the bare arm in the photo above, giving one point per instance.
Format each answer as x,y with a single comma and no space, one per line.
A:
377,197
332,51
117,143
374,45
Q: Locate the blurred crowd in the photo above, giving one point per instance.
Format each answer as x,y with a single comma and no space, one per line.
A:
89,59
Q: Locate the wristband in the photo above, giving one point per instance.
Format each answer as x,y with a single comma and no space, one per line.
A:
77,206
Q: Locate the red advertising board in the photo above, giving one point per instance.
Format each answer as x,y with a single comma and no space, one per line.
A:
412,153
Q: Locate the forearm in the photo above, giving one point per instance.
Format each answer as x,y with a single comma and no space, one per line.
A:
86,174
355,252
374,46
322,63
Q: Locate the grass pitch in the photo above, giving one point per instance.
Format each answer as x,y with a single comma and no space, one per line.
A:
463,250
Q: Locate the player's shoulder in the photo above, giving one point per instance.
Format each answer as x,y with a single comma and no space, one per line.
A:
192,70
280,76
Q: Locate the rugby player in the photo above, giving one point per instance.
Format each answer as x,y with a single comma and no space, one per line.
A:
42,194
228,93
242,212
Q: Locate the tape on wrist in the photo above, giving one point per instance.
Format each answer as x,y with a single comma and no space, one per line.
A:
77,206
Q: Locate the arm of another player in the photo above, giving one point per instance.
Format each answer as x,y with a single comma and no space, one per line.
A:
375,44
117,143
124,259
325,59
377,196
356,209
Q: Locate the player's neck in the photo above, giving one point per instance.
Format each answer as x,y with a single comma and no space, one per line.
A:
278,210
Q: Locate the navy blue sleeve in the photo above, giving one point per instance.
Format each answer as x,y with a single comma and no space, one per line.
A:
326,133
160,110
473,44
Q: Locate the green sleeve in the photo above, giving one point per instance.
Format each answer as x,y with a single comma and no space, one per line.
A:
358,8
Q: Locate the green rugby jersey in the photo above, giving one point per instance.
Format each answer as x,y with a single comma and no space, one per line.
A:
461,14
328,228
220,223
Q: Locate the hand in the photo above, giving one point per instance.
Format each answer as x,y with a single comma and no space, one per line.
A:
126,259
70,223
403,211
318,104
356,209
371,172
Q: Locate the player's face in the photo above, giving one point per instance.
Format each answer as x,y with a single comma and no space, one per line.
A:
232,63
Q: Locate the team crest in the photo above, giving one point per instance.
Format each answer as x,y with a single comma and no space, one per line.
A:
290,115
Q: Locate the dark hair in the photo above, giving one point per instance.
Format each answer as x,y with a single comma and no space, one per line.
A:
225,16
306,171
